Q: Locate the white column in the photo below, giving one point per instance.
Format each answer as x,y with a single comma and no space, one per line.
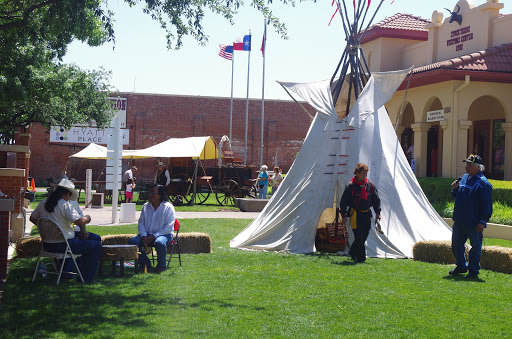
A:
447,150
461,147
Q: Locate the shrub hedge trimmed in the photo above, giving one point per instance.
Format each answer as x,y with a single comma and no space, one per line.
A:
438,193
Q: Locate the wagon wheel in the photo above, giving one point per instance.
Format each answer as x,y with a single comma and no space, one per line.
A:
253,191
202,193
183,187
226,192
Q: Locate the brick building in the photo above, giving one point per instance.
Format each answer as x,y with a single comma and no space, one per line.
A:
153,118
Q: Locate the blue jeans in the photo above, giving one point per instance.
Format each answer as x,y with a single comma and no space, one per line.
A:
90,250
262,192
160,245
461,233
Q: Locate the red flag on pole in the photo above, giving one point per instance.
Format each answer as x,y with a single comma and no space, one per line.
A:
264,41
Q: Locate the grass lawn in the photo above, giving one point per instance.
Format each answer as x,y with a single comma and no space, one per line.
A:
239,294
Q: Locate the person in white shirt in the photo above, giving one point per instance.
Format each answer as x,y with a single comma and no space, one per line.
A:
129,191
62,208
156,226
128,176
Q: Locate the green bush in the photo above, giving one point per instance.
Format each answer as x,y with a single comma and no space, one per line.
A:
438,193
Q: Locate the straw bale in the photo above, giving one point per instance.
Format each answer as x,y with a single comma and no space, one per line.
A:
116,239
28,247
435,251
496,258
194,242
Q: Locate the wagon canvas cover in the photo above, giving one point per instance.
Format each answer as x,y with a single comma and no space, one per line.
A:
203,148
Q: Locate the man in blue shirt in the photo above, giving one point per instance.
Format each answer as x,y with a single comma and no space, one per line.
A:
472,211
156,226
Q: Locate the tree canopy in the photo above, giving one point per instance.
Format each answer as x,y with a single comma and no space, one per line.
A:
34,34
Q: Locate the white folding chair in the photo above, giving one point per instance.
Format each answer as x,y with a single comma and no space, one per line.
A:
50,233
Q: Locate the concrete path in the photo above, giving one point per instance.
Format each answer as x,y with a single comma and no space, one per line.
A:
103,216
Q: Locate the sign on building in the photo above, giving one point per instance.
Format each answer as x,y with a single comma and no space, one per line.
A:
435,116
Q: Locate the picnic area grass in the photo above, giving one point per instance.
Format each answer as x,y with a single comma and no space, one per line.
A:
232,293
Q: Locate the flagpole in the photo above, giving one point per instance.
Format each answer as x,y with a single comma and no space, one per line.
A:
264,45
231,110
247,105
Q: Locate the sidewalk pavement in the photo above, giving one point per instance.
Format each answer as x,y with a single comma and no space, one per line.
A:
103,216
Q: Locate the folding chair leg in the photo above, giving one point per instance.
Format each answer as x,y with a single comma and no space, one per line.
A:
172,251
37,268
60,271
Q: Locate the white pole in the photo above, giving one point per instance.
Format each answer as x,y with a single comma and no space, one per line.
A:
231,111
116,173
264,43
247,104
88,187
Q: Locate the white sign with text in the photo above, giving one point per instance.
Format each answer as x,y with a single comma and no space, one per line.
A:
435,116
85,135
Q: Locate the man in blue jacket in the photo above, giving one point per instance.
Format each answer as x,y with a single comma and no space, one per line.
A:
473,208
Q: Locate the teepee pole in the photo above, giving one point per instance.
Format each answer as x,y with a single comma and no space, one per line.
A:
371,20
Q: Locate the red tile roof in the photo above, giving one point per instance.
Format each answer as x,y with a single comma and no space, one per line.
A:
402,21
495,59
401,26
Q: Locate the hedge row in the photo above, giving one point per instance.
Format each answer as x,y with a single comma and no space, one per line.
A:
438,190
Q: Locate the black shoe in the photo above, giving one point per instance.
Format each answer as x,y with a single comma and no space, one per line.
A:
458,270
471,276
159,269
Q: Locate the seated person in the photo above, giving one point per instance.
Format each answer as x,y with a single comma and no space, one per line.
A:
61,206
156,226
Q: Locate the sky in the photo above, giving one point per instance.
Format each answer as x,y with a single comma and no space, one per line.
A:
141,62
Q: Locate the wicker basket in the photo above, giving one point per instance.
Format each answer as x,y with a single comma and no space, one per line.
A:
332,238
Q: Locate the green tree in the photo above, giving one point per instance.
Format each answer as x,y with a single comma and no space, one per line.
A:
34,35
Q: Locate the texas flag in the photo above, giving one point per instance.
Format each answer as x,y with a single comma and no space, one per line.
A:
244,45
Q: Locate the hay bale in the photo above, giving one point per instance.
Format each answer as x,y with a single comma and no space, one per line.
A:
116,239
194,242
28,247
496,258
433,251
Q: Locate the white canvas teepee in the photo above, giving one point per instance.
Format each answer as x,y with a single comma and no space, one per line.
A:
325,164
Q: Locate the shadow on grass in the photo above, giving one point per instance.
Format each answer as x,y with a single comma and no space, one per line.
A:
463,278
44,309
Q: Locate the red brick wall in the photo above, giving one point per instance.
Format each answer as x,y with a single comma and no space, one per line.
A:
11,186
153,118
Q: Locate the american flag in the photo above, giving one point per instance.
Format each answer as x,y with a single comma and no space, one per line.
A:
226,51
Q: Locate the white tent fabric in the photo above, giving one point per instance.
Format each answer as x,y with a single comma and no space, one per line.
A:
92,151
95,151
325,164
193,147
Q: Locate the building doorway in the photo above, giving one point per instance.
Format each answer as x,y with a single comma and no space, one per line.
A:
433,151
486,137
482,141
498,150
